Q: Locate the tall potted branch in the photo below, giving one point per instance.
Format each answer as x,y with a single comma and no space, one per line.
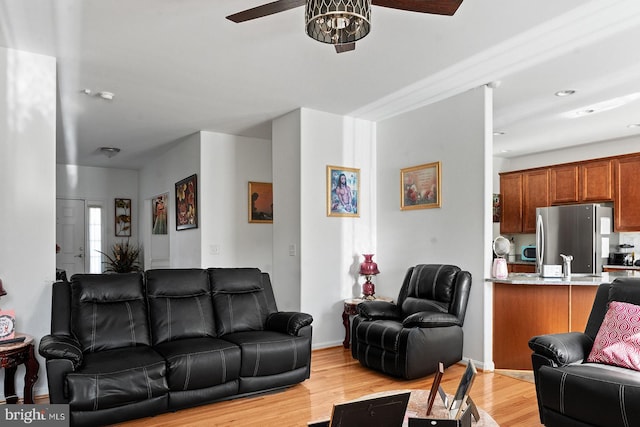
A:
124,258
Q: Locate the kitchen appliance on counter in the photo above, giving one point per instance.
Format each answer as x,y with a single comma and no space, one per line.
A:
528,253
625,257
582,231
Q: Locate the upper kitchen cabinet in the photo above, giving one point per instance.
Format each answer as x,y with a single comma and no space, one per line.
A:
522,193
511,204
535,186
627,193
585,182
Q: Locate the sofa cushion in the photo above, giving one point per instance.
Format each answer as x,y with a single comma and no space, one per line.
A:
592,393
196,363
383,334
618,340
239,300
109,311
117,377
269,353
180,304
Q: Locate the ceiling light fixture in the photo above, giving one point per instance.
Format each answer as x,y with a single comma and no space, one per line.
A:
634,125
109,151
338,22
607,105
567,92
106,95
498,133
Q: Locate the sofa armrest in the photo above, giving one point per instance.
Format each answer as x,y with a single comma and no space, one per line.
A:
562,349
430,319
379,310
289,322
61,347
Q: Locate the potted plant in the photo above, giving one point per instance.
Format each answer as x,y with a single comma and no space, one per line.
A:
123,258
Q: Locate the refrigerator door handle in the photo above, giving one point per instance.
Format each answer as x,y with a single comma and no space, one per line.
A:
539,243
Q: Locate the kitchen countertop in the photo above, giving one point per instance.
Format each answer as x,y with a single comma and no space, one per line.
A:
575,279
622,267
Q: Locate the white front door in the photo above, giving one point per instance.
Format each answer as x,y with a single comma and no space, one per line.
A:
70,236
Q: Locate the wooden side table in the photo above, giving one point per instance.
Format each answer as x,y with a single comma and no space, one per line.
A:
350,309
13,355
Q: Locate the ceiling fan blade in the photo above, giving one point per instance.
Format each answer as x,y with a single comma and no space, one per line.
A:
265,10
340,48
437,7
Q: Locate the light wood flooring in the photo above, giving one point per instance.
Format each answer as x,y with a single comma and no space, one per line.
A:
335,378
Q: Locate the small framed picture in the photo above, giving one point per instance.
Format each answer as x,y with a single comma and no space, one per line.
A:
343,191
187,203
261,202
123,217
159,206
420,187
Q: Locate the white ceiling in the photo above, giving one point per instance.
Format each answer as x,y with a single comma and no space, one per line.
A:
178,66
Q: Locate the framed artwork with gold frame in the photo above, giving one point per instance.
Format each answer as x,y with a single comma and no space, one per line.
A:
343,191
420,187
261,202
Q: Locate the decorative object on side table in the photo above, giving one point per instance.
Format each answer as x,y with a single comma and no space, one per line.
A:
368,268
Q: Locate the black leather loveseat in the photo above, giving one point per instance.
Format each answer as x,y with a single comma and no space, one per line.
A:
126,346
574,392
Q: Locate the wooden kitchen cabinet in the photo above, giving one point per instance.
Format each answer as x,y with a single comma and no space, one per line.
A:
585,182
563,184
522,193
521,268
535,186
596,181
626,208
511,191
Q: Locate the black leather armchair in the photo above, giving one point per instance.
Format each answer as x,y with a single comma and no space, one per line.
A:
424,327
574,393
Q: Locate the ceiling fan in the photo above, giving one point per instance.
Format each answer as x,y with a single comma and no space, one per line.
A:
343,22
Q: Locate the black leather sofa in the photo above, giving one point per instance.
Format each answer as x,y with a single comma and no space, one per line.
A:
126,346
573,393
408,339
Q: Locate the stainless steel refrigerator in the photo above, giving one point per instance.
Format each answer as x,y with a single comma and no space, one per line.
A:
583,231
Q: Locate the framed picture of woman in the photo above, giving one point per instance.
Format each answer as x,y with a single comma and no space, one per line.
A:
159,214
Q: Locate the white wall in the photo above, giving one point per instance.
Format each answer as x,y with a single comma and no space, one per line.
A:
101,185
331,247
228,163
286,136
27,194
454,132
322,272
159,176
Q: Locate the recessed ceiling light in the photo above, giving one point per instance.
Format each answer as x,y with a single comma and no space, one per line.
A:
634,125
498,133
567,92
607,105
505,151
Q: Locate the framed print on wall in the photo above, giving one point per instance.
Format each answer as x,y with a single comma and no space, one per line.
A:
420,187
159,214
261,202
343,191
187,203
123,217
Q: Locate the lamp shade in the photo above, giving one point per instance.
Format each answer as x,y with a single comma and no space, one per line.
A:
368,267
2,291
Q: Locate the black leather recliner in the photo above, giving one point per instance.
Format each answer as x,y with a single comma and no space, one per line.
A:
574,393
424,327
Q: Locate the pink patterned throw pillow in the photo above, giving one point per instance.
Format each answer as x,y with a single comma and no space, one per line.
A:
618,340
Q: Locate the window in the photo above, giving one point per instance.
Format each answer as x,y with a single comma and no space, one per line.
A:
95,239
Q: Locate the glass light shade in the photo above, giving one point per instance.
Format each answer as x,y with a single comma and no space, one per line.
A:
338,21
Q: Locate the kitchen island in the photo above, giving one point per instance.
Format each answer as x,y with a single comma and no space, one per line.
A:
526,305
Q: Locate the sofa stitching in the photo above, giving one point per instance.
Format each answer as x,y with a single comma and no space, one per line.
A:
148,381
230,310
257,303
97,382
562,384
132,326
80,374
168,319
256,369
295,354
623,410
188,375
224,366
199,352
94,321
202,319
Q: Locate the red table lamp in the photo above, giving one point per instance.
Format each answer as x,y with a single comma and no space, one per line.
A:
368,268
